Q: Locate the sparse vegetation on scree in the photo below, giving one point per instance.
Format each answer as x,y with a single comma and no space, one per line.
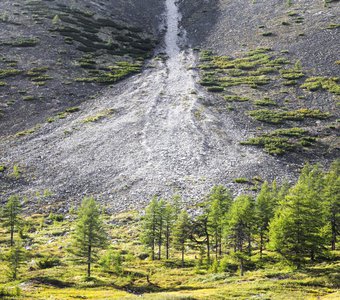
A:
281,244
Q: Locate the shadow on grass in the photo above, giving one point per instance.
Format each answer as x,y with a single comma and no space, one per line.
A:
51,282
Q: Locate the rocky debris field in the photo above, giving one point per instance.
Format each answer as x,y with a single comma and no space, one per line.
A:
167,97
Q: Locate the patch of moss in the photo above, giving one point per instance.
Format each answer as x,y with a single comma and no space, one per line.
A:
101,115
21,42
235,98
4,73
2,168
265,102
278,116
331,84
281,141
241,180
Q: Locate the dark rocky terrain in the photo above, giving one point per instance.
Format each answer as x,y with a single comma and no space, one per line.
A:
77,119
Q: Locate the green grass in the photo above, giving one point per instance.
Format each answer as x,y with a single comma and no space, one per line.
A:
63,278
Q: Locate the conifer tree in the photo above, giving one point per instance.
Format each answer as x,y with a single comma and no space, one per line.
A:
90,235
11,215
150,226
169,218
240,227
182,233
219,201
296,230
160,226
332,201
264,207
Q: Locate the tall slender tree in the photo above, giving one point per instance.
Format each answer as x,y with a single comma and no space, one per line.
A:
169,219
182,233
150,226
240,227
219,202
11,215
264,207
90,235
332,201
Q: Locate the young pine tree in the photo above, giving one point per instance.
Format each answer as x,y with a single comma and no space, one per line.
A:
219,202
264,210
160,226
11,216
169,219
240,227
150,230
90,235
297,227
182,233
332,201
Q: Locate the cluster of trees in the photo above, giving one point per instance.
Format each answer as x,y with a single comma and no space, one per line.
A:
299,222
89,235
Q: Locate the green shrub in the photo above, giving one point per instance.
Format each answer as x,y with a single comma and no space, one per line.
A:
48,262
241,180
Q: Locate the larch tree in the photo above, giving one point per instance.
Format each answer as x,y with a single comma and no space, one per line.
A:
219,202
332,201
90,235
240,227
264,210
11,215
169,219
149,226
182,233
296,230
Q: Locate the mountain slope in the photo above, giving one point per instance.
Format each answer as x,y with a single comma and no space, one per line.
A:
162,131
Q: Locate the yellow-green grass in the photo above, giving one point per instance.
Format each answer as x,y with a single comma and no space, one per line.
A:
166,279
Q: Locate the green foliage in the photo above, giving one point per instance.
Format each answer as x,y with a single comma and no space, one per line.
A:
181,232
281,141
4,73
112,261
297,228
11,216
89,235
278,116
331,84
241,180
48,262
99,116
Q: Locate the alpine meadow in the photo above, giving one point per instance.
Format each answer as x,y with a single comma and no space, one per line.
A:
170,149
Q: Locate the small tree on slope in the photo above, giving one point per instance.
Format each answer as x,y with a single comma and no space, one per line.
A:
89,235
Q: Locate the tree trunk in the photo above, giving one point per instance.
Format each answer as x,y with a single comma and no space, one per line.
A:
12,235
89,262
182,256
333,234
216,246
241,267
207,242
312,255
153,249
261,243
167,243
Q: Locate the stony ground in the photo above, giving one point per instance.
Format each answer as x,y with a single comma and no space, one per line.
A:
160,132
